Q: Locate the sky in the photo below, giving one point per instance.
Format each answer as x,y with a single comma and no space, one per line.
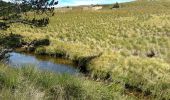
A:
85,2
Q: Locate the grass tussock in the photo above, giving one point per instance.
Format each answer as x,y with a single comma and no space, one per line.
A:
146,74
29,83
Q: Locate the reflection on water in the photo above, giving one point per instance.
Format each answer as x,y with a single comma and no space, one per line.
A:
42,62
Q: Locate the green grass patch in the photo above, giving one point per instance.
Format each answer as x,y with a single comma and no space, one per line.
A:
29,83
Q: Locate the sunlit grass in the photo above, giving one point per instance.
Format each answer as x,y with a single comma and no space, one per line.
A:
29,83
125,36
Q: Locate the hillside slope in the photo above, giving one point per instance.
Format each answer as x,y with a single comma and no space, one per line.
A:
133,42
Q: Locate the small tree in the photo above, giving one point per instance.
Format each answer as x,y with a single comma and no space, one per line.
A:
116,5
15,12
12,12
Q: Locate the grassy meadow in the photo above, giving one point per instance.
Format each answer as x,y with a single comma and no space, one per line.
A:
124,37
28,83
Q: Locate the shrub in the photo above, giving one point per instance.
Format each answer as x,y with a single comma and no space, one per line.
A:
116,5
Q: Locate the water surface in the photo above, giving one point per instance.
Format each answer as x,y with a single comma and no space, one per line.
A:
42,62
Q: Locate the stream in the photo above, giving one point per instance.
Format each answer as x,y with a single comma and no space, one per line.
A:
58,65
